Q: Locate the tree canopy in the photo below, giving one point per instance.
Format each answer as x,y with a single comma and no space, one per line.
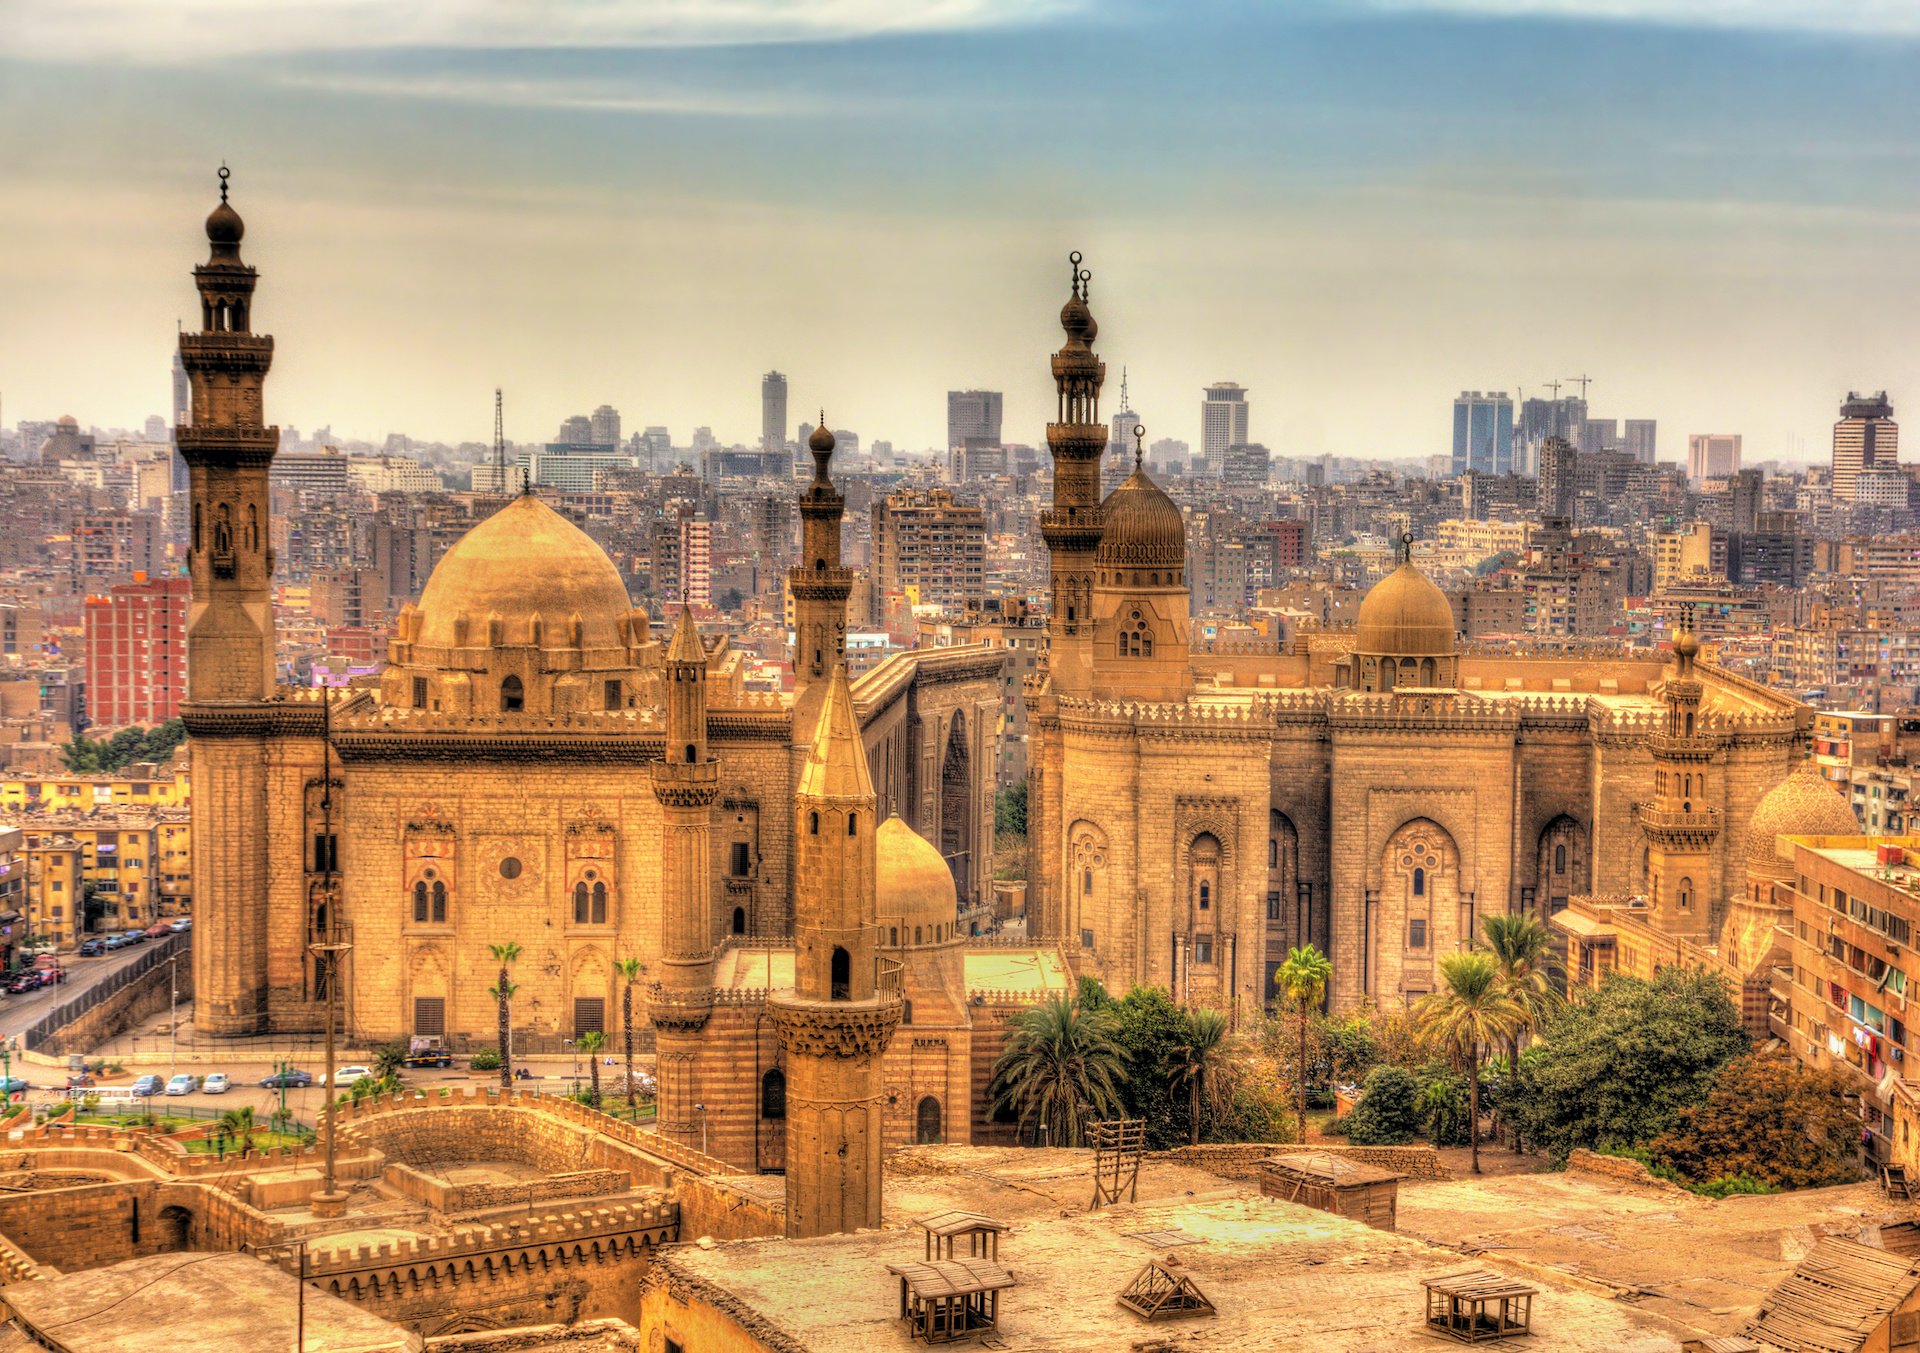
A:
85,756
1767,1118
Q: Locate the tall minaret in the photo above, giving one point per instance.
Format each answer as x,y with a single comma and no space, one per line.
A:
820,586
684,782
1680,825
846,1001
228,447
1071,527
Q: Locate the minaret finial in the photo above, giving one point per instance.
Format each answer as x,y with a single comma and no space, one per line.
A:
225,174
526,481
1406,547
1139,439
1073,273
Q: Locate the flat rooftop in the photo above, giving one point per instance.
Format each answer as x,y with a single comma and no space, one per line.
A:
1036,971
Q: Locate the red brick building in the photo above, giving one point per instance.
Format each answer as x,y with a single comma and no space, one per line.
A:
137,652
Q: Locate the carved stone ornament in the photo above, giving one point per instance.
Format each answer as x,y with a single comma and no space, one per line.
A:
836,1030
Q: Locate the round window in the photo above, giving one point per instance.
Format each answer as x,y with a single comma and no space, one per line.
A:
510,867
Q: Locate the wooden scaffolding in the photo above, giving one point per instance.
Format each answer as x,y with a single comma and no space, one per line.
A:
950,1299
1117,1144
1477,1305
1159,1293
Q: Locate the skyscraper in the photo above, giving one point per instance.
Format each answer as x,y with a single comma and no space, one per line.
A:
604,426
1120,440
973,419
1223,422
1555,490
1712,455
182,416
1541,419
773,412
1638,439
1483,433
1865,438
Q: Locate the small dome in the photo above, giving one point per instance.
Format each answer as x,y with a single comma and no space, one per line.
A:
524,561
1686,645
912,884
1077,319
1803,804
1143,527
224,225
68,423
1405,616
821,441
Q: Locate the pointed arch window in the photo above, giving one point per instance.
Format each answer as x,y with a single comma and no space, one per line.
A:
773,1094
842,975
513,696
1419,881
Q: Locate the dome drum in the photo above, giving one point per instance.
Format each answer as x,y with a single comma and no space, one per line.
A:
1803,804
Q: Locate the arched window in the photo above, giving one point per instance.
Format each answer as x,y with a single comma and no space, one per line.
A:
420,903
773,1094
926,1122
1686,894
739,920
512,695
1273,852
842,974
690,753
893,937
1559,859
580,903
853,824
1086,882
439,902
916,934
1146,645
813,824
1689,725
1426,671
599,904
1419,881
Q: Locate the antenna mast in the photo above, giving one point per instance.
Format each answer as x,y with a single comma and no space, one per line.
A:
499,444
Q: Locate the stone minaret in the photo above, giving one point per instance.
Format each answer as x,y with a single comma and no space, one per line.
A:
846,1001
230,651
1680,825
1071,527
820,587
684,782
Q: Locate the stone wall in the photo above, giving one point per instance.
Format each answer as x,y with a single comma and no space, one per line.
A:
1582,1161
442,1196
726,1210
1231,1160
1416,1162
147,995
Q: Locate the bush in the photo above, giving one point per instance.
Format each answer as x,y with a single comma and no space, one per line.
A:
1337,1127
1389,1111
1768,1121
486,1059
1443,1104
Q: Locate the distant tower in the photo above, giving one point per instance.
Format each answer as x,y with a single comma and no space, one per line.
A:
1865,438
1120,439
1071,527
499,444
230,639
684,782
1680,825
773,413
846,999
1223,422
820,586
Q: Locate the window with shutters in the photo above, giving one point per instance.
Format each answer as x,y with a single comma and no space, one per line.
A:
430,1016
589,1014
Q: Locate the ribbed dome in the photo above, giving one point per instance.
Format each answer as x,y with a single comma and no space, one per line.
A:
1143,527
912,884
523,562
1803,804
1405,616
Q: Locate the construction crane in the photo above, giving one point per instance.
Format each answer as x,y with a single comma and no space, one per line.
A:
1582,381
499,444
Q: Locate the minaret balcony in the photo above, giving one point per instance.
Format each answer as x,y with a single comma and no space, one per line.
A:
820,584
1682,746
1678,830
684,784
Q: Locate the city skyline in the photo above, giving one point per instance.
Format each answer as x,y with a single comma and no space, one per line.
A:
659,213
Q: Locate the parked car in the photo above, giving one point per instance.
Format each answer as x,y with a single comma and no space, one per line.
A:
51,973
428,1050
30,980
147,1085
183,1084
134,936
216,1084
158,929
93,948
291,1078
348,1075
115,941
13,1085
182,925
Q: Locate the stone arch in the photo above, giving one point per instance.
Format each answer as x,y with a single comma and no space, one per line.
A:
589,978
926,1122
1206,860
174,1229
429,991
1417,912
956,805
1087,882
1563,865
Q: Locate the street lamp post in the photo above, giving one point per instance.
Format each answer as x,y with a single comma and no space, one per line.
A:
701,1109
328,944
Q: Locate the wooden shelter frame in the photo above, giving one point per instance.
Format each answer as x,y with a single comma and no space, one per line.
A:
1117,1145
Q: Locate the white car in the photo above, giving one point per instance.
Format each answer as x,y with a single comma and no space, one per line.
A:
216,1084
347,1075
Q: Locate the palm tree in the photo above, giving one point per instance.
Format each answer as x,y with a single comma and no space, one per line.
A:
629,968
1305,975
1469,1012
1200,1059
591,1043
504,954
1524,950
239,1123
1060,1068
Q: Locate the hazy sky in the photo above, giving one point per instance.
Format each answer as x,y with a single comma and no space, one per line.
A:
1357,208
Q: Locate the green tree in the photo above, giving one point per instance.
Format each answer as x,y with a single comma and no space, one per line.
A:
1389,1112
1148,1026
1768,1119
1524,950
84,755
389,1059
238,1123
1202,1062
629,969
1618,1066
591,1044
1304,977
1061,1067
502,991
1469,1013
1010,811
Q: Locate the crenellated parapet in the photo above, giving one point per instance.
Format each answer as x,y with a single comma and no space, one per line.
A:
576,1235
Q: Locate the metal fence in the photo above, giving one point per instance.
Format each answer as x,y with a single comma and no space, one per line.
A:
155,953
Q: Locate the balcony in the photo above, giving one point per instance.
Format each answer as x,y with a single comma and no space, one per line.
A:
887,978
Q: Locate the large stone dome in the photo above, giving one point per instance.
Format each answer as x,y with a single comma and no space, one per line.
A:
912,886
1803,804
1143,527
524,563
1405,616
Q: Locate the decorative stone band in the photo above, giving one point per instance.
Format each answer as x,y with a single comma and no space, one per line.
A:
249,720
802,1102
681,786
1077,441
836,1028
229,448
678,1012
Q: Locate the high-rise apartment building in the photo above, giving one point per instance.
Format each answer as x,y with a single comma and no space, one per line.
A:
182,416
1638,439
1246,466
773,412
1483,433
1712,455
1557,465
696,561
136,637
1541,419
1223,423
1865,438
927,545
603,426
1595,435
575,431
973,419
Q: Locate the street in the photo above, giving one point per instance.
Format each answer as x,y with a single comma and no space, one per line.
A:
17,1012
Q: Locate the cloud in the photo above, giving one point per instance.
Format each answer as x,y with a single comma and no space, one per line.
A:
188,31
1900,18
560,95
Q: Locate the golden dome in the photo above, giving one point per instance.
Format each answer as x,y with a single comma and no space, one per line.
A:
1142,527
1803,804
912,885
1405,616
526,565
